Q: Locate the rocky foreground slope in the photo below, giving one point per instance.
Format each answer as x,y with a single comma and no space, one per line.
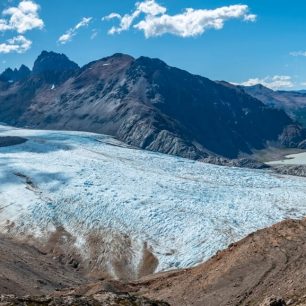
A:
145,103
30,276
269,263
267,268
102,299
25,269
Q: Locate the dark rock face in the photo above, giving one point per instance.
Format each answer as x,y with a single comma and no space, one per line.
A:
240,162
296,170
292,136
54,67
15,75
144,103
293,102
302,145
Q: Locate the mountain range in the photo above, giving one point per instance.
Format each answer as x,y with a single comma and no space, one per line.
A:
293,102
145,103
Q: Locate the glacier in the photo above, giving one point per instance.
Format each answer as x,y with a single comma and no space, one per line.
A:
184,210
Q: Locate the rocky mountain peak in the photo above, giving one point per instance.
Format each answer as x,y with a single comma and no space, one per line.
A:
116,58
51,61
24,71
54,67
150,65
10,75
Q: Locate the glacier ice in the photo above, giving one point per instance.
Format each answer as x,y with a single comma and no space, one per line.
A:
185,210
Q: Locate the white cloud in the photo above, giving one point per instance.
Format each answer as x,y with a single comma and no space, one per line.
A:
94,34
66,37
191,22
22,18
83,23
276,82
148,7
250,17
17,44
298,53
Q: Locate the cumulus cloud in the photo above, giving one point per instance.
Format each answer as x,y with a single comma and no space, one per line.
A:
275,82
66,37
191,22
149,7
17,44
298,53
22,18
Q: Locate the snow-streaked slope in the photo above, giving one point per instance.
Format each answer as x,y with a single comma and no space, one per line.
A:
184,210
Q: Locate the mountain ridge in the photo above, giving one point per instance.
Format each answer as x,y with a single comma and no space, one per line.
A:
293,102
147,104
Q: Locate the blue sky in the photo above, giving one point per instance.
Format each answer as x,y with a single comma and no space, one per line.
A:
225,42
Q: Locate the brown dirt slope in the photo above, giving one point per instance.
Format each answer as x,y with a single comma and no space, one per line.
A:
26,270
270,262
267,268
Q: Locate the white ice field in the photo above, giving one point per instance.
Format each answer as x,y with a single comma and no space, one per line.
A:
184,210
293,159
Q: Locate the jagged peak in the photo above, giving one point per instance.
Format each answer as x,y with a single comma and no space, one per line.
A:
13,75
52,61
24,67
